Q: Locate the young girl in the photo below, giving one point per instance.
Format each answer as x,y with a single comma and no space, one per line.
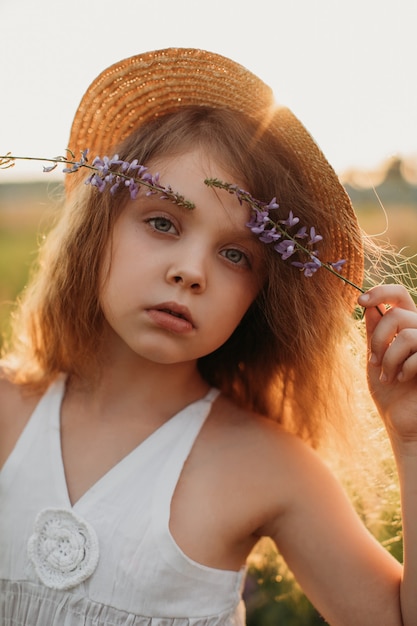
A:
172,372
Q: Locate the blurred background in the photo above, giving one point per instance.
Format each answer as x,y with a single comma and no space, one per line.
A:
346,69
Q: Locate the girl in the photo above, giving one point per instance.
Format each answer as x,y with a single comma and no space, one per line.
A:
171,370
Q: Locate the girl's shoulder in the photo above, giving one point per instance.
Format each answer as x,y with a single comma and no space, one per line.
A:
253,431
261,471
259,446
16,407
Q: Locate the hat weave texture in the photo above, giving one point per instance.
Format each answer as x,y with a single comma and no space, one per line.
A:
145,86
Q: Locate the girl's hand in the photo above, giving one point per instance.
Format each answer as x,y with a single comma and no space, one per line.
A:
392,352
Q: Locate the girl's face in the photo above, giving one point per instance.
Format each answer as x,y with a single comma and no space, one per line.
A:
176,282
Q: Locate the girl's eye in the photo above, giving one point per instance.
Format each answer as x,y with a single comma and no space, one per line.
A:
162,224
235,256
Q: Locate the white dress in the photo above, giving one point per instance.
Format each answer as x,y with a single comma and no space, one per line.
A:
109,560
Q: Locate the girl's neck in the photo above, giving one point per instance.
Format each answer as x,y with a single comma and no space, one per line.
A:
142,383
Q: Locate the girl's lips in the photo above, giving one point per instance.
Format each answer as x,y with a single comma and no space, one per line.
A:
172,316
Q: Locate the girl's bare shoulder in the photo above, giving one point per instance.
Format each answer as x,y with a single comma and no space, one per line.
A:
266,468
250,429
16,407
256,442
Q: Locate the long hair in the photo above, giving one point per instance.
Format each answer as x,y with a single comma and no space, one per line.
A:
285,359
297,356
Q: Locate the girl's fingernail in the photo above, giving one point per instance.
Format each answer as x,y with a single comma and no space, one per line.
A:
383,378
373,358
363,299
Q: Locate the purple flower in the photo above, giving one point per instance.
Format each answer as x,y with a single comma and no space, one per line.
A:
134,190
290,221
104,165
269,236
149,178
302,233
96,181
75,166
313,237
285,248
258,221
310,267
338,265
272,205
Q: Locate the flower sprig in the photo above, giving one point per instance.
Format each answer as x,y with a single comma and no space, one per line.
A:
132,175
107,172
286,236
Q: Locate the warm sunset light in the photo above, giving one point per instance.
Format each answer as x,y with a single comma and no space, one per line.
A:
208,355
346,69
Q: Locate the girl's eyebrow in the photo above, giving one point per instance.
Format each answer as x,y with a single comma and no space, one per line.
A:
157,201
239,234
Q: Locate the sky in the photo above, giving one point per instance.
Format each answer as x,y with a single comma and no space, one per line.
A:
346,68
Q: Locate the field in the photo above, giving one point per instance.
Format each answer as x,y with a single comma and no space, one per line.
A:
26,212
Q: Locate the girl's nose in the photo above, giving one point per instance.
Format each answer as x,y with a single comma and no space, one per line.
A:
189,275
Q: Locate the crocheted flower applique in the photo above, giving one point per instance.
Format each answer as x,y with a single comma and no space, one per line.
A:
63,548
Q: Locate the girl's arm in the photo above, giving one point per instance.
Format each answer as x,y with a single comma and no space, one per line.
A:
348,576
392,375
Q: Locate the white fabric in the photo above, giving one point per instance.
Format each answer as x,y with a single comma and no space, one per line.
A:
142,578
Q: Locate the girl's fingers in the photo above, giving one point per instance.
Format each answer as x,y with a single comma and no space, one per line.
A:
394,324
399,360
393,295
392,335
409,369
378,299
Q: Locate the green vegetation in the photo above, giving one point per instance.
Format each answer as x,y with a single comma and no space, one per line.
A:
271,595
15,259
24,211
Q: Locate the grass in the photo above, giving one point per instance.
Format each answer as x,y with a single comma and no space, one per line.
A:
25,212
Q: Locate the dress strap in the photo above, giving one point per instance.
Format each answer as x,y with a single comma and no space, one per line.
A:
161,509
189,424
33,442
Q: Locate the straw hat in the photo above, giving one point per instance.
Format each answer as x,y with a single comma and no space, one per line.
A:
152,84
